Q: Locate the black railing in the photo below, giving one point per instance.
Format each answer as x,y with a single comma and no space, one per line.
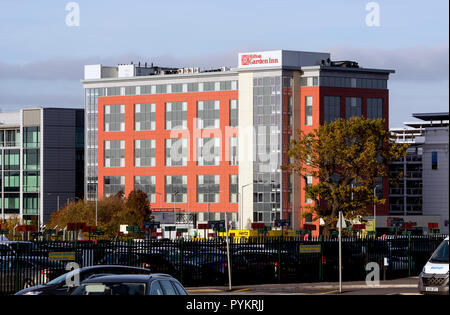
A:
205,263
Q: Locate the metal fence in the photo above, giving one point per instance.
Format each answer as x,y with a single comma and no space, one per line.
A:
201,263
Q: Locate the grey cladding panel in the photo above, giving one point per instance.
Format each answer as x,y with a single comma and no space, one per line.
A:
59,137
59,159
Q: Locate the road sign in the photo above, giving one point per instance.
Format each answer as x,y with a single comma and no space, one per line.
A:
280,223
309,249
344,224
4,232
258,226
75,226
66,256
432,225
216,224
203,226
182,230
151,225
170,228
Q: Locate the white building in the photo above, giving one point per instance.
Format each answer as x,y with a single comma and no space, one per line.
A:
422,196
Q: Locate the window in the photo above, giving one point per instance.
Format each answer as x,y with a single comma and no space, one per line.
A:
234,151
331,108
309,81
374,108
12,202
208,151
176,188
234,188
113,184
12,181
31,181
147,185
12,161
234,113
176,115
208,187
176,152
308,182
144,153
156,289
115,153
434,160
114,118
31,159
31,203
308,110
352,107
144,117
31,137
168,287
208,114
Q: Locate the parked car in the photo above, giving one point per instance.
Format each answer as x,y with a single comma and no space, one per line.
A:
18,273
434,277
153,284
61,285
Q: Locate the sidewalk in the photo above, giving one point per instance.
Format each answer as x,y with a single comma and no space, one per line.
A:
397,283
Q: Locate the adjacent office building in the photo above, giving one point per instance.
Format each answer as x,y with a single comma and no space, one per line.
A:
421,196
212,142
41,161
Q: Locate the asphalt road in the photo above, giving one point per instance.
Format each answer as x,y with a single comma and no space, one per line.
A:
406,286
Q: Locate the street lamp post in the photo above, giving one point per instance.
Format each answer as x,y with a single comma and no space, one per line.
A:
374,210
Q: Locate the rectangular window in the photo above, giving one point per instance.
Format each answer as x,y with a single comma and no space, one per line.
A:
176,152
31,137
176,188
144,117
208,188
12,181
31,159
352,107
331,108
308,182
209,86
114,118
234,151
208,114
115,153
308,110
12,203
12,161
208,151
12,138
234,188
176,115
113,184
144,153
225,85
234,113
147,185
374,108
31,203
31,181
434,160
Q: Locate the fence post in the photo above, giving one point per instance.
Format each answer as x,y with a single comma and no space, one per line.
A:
17,267
181,259
321,258
409,254
279,259
130,244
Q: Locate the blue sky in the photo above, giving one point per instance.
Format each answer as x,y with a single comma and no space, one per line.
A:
41,58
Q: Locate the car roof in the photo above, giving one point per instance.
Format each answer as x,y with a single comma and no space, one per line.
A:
113,266
127,278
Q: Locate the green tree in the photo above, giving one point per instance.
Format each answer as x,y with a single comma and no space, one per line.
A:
345,157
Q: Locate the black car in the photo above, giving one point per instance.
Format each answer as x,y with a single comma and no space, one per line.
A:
153,284
63,285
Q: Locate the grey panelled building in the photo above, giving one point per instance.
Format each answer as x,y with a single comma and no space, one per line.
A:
41,161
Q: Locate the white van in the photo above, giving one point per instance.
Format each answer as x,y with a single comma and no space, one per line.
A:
434,277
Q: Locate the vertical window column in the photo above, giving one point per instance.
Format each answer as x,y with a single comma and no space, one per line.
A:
308,110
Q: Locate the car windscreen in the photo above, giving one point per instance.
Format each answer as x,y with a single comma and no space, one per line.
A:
441,253
111,288
64,277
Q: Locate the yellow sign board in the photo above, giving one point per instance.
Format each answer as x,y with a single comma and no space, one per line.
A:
281,233
309,249
67,256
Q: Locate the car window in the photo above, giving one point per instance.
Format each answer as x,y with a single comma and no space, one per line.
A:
168,287
180,289
156,289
